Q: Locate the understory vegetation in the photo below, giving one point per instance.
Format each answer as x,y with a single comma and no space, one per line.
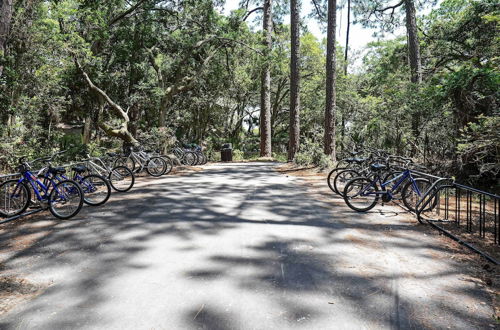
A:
103,73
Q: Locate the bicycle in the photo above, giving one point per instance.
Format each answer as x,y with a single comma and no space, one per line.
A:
344,176
64,199
121,178
185,156
362,193
137,161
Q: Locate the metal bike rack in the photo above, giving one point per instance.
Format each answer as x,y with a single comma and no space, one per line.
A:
21,215
445,184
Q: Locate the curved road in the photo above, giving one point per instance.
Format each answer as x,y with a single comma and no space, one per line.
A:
238,246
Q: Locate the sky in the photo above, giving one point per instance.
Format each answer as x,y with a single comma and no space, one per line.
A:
359,37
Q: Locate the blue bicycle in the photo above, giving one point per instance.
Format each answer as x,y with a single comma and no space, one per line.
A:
63,198
362,193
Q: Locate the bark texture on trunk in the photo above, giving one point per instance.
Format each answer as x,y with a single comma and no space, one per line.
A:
265,93
346,55
87,129
329,138
294,134
5,20
413,44
414,59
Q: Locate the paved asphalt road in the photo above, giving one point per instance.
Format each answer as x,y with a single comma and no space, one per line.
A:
239,246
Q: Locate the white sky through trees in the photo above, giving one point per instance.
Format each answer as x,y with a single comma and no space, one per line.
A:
359,36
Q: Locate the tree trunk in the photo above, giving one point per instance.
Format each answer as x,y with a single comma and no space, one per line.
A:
265,93
347,36
329,138
5,20
294,136
414,59
413,45
87,129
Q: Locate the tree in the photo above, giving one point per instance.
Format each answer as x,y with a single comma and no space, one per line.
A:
388,16
294,134
5,19
413,43
265,94
331,62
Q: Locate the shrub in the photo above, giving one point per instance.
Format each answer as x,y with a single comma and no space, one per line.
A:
238,155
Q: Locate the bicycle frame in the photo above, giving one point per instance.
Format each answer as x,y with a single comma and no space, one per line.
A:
96,167
34,181
399,180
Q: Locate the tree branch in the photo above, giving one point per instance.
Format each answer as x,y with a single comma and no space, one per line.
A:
251,12
123,15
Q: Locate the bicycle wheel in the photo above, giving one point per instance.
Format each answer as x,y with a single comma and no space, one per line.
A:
66,199
121,178
156,166
360,194
189,158
96,190
126,161
331,177
204,159
14,198
341,180
169,163
413,191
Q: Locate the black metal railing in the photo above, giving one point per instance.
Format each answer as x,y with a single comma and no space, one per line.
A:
466,214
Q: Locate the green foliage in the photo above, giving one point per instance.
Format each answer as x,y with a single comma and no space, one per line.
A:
238,155
479,147
215,61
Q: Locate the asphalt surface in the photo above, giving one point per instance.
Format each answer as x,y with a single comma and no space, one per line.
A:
238,246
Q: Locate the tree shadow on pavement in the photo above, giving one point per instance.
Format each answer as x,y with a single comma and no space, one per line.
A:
373,270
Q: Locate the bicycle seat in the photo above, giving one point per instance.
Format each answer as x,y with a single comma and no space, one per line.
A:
79,169
57,170
359,160
112,154
377,167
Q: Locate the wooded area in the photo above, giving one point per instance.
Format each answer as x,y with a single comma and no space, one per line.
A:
106,72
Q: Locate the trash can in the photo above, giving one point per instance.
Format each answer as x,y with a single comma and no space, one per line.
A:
226,152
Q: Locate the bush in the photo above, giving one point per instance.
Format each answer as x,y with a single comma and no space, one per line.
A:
238,155
311,153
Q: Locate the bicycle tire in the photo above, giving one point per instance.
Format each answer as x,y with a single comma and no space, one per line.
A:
331,177
409,201
189,158
126,161
117,174
102,182
25,204
204,159
74,191
350,187
170,164
161,170
343,177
